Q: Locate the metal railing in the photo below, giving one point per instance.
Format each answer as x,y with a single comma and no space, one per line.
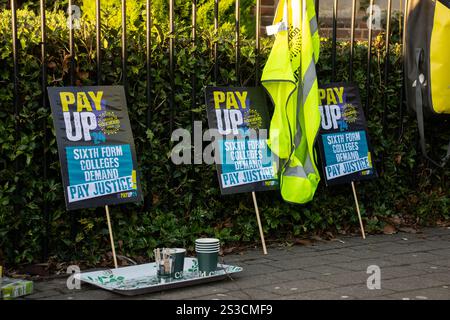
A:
171,52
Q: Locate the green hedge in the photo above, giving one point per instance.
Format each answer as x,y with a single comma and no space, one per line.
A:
184,202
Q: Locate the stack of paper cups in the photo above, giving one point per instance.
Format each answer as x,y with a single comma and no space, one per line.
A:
207,250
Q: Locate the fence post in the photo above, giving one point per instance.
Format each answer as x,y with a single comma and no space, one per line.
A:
257,43
149,199
98,37
402,94
71,45
73,217
216,33
15,83
171,62
237,40
352,40
124,45
369,60
45,243
333,53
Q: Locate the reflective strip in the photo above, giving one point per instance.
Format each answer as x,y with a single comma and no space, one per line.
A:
298,129
313,25
308,166
298,135
278,162
297,171
308,79
302,95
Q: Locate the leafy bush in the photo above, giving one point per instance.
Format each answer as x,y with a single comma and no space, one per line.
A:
183,202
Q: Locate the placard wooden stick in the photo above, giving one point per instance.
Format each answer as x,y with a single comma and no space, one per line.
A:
111,236
259,223
357,209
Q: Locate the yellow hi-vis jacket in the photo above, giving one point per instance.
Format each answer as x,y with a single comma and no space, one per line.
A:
296,119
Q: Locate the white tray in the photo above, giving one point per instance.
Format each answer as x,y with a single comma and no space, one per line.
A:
142,278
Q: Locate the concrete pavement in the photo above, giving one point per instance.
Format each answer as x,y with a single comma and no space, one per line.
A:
411,266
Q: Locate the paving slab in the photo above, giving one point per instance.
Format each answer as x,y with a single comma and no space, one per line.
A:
189,292
363,264
325,294
431,266
413,258
347,278
411,283
363,252
253,294
247,282
401,272
442,262
295,286
360,291
437,293
295,274
301,262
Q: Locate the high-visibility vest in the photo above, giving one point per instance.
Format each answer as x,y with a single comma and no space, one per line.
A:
296,119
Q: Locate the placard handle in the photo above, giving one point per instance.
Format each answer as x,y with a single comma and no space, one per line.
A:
363,233
259,223
111,238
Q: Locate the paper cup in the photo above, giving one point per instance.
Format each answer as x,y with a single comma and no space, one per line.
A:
207,263
197,248
207,247
178,254
207,241
207,244
207,255
206,250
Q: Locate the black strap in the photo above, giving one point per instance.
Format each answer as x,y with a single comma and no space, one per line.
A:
419,114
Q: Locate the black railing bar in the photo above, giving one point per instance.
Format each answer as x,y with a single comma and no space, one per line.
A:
45,242
98,37
73,217
124,45
148,201
386,64
403,93
216,34
237,44
171,63
71,45
17,206
194,77
333,45
317,5
352,40
148,30
197,159
257,42
369,58
98,210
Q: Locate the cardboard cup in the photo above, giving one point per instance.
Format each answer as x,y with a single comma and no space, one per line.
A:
178,254
206,250
207,263
208,241
207,246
